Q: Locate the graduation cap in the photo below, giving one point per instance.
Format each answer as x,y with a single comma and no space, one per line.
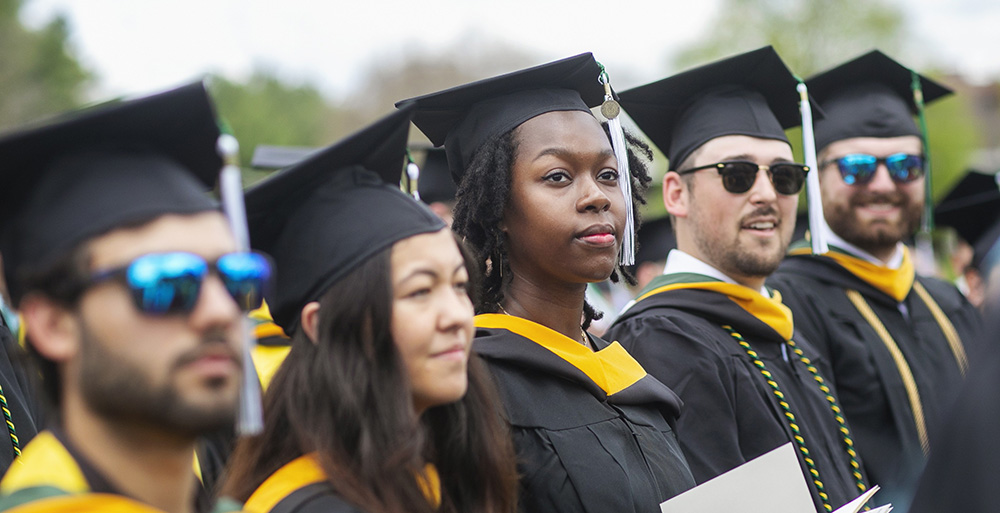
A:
435,183
749,94
870,96
268,156
972,208
465,117
89,172
656,239
323,217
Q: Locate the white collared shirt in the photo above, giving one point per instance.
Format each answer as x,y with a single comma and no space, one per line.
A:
681,262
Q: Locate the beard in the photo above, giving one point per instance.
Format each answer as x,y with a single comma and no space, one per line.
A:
118,390
736,259
875,236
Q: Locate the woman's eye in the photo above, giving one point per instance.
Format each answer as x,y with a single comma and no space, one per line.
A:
556,177
418,293
608,174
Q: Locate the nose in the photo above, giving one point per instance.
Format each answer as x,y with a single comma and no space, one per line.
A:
763,189
882,181
215,308
455,311
592,196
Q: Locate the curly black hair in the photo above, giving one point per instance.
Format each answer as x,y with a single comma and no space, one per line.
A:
483,194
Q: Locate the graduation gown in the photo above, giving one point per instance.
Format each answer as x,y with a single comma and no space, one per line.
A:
593,432
870,383
19,395
53,476
731,415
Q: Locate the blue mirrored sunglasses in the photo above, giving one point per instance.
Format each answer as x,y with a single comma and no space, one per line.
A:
169,283
860,168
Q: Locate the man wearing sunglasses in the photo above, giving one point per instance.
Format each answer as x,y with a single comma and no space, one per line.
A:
898,343
708,327
132,293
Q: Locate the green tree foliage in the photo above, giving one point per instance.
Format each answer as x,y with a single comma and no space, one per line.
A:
809,36
39,75
266,110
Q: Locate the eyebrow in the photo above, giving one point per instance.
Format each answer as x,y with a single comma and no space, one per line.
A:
750,158
423,271
572,155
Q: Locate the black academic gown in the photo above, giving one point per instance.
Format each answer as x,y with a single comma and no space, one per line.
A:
731,415
867,379
23,404
961,473
579,448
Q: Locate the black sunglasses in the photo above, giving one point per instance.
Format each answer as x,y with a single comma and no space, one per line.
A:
738,176
860,168
170,283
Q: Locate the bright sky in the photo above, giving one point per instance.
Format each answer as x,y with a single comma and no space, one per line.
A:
144,45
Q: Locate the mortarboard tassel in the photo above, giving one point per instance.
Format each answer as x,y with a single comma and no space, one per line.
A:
610,110
251,416
925,263
412,176
817,233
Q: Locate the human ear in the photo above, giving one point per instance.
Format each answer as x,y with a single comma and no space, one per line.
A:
53,329
675,194
309,319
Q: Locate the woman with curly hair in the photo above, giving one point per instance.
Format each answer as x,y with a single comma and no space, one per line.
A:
540,203
378,406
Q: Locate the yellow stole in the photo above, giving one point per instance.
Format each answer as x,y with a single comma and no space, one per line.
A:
770,311
305,470
611,368
895,283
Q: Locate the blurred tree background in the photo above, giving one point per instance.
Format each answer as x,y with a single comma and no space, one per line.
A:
40,75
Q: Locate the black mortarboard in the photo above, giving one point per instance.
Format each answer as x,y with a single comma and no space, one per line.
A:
323,217
870,96
656,239
463,118
84,174
749,94
435,183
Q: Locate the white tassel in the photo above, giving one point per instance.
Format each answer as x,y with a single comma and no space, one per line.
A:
611,111
251,412
412,175
625,184
817,224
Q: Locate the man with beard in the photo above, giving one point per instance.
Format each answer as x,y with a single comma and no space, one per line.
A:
898,343
708,327
126,274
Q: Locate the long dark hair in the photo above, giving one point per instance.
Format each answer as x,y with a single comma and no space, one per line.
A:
483,194
348,399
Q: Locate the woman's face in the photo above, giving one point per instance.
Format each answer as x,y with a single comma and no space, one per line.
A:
432,316
566,214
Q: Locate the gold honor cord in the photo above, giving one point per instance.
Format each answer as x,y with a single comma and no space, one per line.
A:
901,365
793,423
10,424
954,341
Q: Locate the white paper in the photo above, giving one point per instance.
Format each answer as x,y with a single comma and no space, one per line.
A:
771,483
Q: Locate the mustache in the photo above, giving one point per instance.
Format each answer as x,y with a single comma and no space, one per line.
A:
216,343
768,211
893,198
